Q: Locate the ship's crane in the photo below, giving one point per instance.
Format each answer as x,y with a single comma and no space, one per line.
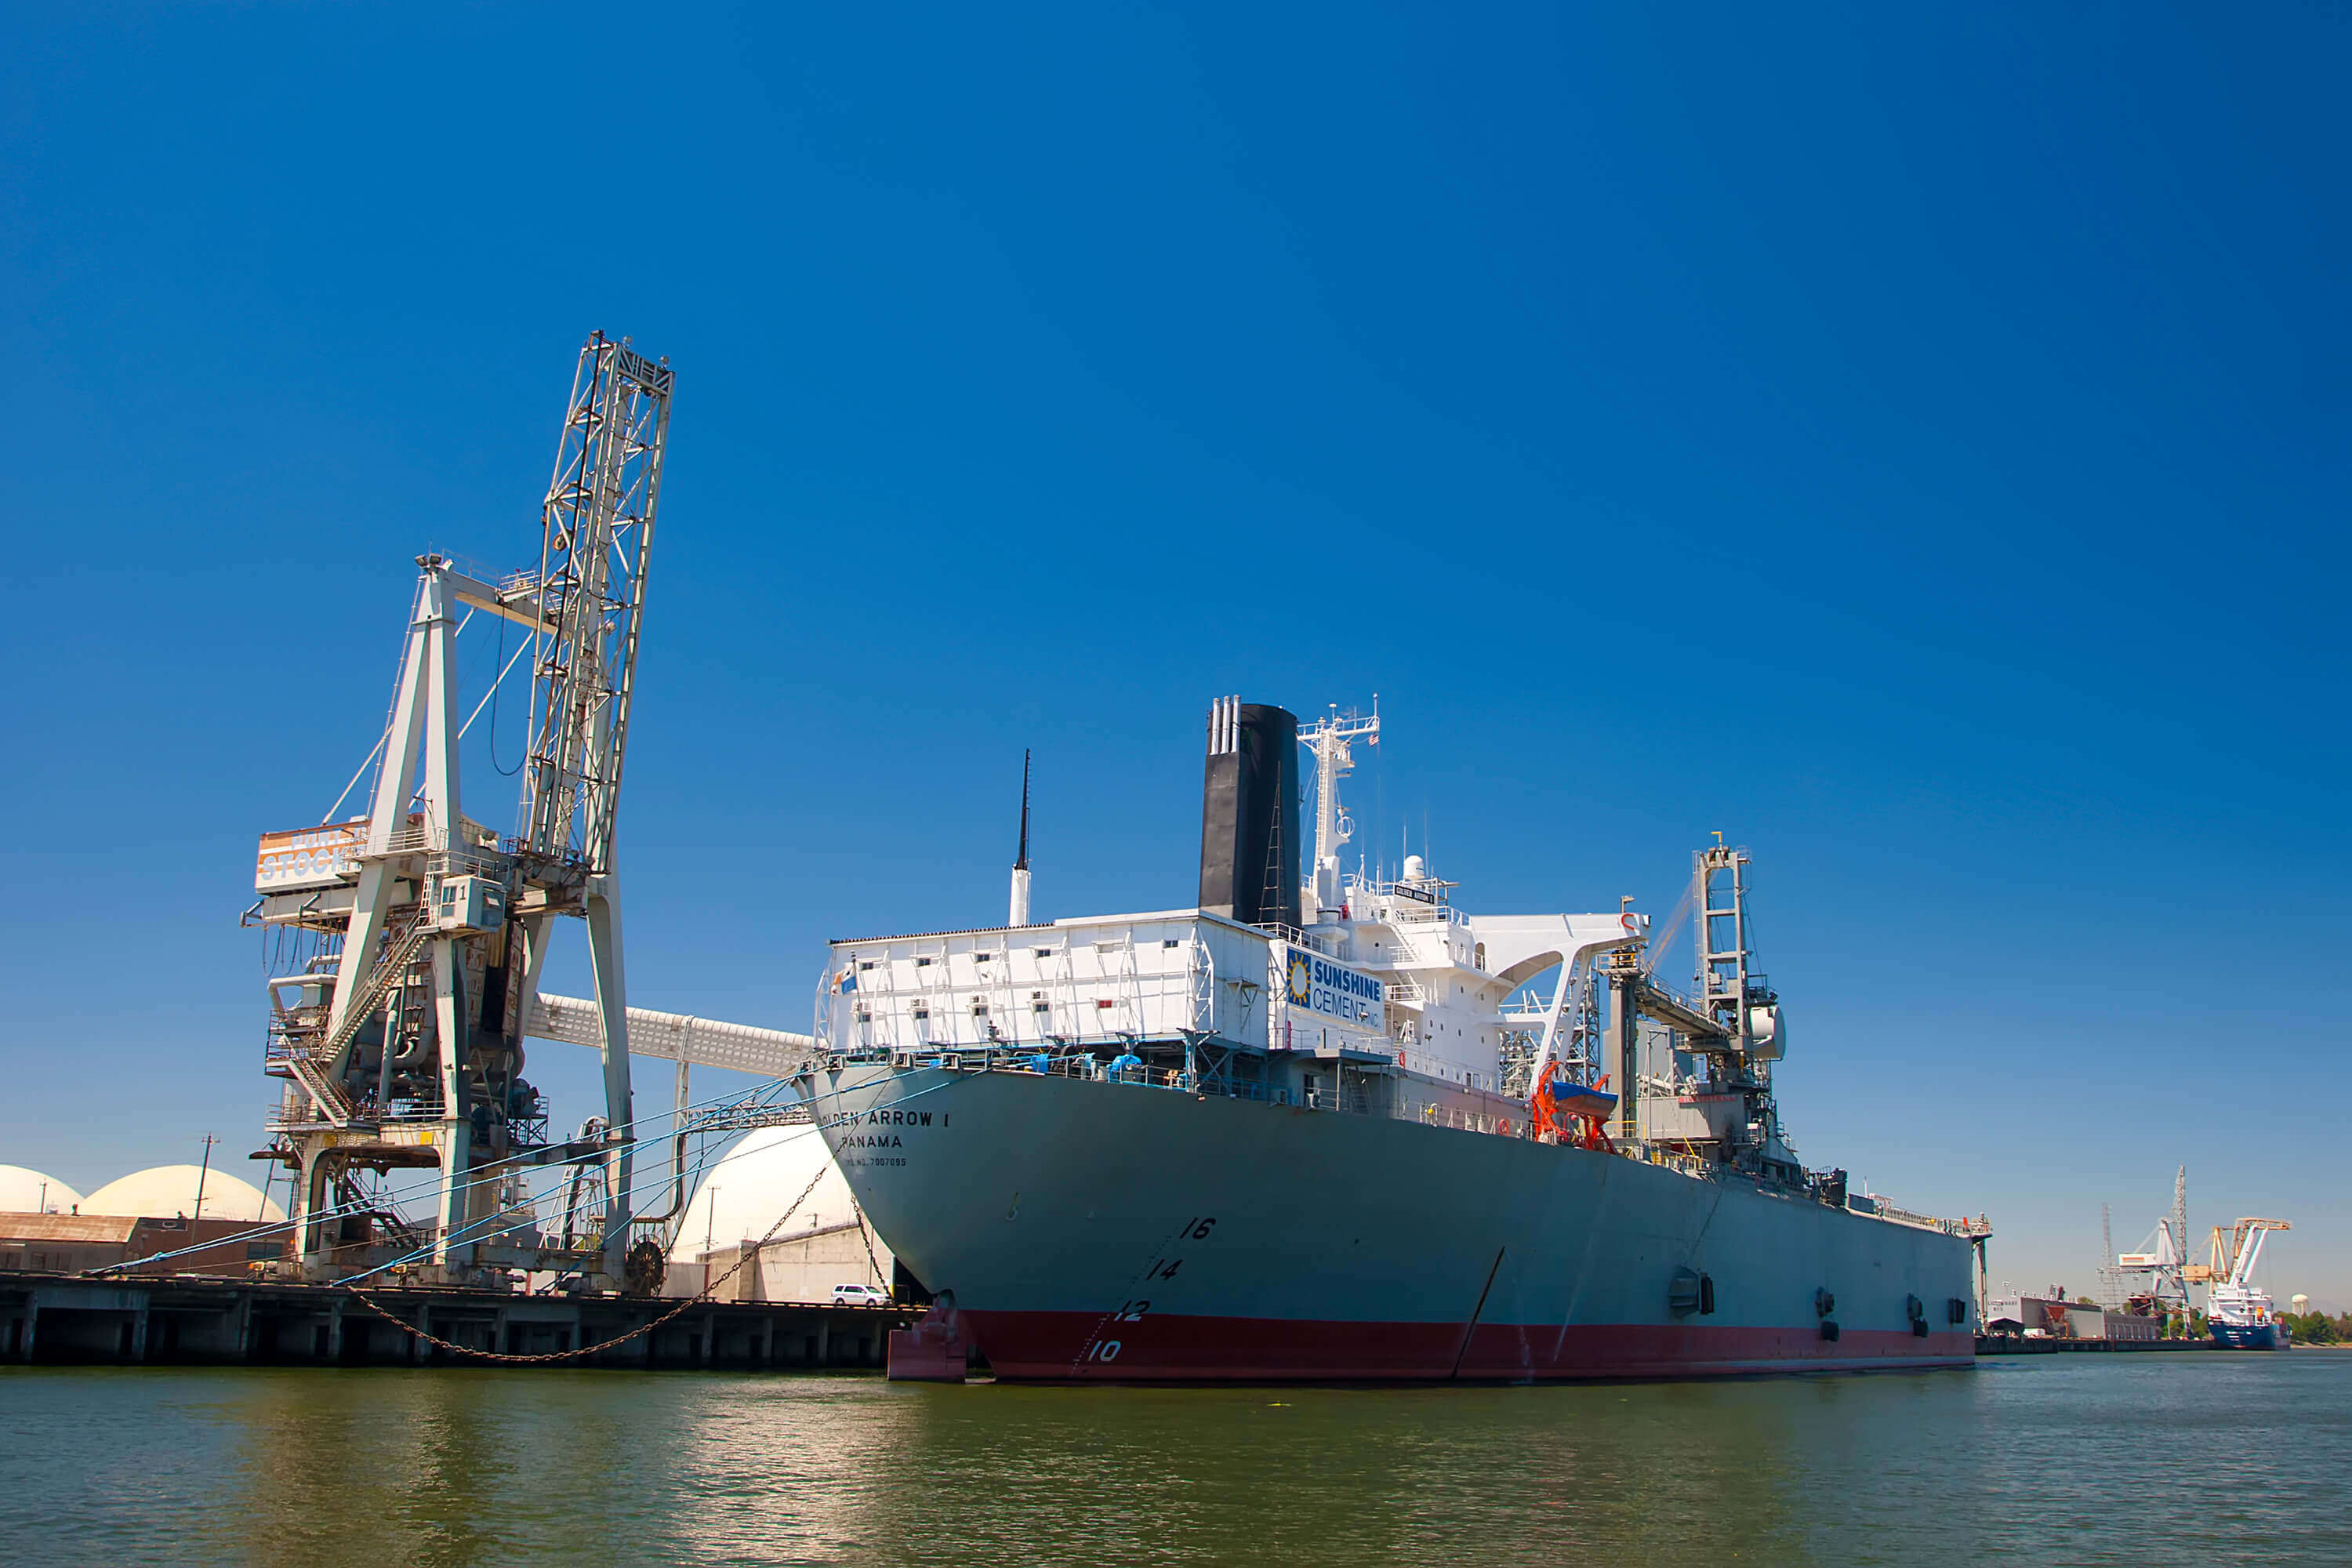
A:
2233,1260
401,1025
1733,1020
2239,1314
1671,929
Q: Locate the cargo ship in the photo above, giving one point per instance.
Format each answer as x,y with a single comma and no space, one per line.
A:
1330,1124
2240,1313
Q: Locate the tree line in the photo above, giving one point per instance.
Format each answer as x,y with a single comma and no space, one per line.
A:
2318,1328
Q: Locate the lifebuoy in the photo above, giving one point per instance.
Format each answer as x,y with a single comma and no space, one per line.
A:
1506,1127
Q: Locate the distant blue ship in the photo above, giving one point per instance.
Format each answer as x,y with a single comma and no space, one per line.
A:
2272,1335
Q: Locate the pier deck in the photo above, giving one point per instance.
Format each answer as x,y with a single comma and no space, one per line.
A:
187,1318
2018,1344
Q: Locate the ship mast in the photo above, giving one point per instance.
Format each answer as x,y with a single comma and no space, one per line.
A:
1019,915
1327,739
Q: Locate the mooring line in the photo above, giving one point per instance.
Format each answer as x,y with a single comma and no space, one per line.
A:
695,1301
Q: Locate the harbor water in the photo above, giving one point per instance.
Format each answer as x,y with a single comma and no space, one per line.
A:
2110,1459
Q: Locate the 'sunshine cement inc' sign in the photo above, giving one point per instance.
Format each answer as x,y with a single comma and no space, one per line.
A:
1334,991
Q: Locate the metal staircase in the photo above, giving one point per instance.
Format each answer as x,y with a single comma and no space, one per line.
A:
312,1060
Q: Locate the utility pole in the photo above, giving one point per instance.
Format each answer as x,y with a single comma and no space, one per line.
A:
202,1172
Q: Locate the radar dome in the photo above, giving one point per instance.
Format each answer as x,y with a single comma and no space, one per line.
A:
748,1188
23,1191
165,1190
1415,868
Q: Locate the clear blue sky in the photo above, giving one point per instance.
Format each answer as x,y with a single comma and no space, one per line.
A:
1913,444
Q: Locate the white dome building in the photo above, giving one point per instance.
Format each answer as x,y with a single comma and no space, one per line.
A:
162,1191
745,1189
23,1191
822,1242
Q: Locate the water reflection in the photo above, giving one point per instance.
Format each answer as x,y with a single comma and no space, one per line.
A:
448,1466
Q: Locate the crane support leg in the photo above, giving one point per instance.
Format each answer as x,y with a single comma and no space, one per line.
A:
388,811
456,1125
603,911
522,994
310,1187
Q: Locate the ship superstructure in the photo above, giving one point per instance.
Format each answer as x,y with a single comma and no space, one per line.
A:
1330,1124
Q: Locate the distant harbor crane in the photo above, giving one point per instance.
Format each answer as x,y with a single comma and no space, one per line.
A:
2162,1264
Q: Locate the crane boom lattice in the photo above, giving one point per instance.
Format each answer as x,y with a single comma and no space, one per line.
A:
597,529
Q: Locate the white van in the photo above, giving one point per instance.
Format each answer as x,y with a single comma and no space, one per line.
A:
860,1296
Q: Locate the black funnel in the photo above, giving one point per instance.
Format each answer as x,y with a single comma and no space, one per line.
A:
1249,815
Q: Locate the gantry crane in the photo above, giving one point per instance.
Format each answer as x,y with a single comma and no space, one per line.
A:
421,935
2163,1264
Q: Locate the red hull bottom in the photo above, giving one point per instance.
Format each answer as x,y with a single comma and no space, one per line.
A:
1062,1347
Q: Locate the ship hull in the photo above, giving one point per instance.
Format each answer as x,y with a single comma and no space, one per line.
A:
2250,1336
1093,1231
